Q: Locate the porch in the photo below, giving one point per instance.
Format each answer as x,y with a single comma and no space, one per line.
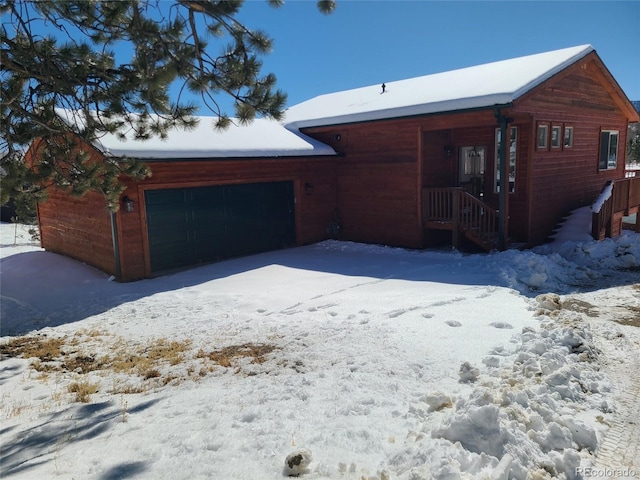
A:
456,210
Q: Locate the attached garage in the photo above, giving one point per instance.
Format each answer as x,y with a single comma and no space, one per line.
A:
212,195
191,226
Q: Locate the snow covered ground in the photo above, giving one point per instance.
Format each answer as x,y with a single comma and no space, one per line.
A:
362,361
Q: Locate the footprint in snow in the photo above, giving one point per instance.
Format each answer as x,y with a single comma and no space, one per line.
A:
501,325
453,323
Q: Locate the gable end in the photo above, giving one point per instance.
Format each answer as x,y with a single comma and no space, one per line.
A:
585,86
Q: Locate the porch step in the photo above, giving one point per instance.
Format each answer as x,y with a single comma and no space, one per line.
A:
487,241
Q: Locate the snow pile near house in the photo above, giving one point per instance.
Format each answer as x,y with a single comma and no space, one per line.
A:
335,361
566,266
531,413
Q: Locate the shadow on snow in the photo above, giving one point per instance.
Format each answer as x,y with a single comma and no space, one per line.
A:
39,444
43,289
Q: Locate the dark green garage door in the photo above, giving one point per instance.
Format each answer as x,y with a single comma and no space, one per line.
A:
189,226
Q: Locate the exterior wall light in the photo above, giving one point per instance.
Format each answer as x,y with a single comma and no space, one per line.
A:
308,188
127,204
448,150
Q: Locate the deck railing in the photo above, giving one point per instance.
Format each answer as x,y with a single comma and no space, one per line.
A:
457,210
623,200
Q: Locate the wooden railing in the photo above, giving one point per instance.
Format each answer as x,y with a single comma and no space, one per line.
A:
457,210
624,200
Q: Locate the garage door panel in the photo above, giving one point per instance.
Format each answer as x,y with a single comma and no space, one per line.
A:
165,197
215,214
170,221
167,237
188,226
167,260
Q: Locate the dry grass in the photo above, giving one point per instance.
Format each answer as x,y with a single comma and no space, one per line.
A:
40,347
83,390
14,410
138,367
81,364
127,389
145,359
227,356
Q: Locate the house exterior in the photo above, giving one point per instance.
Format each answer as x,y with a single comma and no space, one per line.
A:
410,163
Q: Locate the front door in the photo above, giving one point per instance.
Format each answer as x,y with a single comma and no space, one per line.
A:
471,168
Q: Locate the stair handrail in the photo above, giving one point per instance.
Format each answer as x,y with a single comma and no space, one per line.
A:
476,218
465,212
617,196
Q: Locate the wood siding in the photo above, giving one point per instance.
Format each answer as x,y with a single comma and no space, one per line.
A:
563,179
377,181
79,228
314,209
363,172
439,169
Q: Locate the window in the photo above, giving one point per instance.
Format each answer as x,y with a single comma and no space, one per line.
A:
568,137
473,160
556,134
511,152
608,149
543,137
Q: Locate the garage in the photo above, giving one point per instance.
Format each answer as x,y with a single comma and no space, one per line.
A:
191,226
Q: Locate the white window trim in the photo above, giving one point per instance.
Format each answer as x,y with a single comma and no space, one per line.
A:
567,128
513,166
608,166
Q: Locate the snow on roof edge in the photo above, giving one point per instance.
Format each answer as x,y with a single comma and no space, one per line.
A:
471,103
586,50
315,148
260,138
358,104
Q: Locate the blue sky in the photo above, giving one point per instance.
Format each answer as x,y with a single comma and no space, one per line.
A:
367,42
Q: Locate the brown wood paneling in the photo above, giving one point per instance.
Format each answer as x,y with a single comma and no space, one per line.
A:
439,169
565,179
78,227
378,203
378,180
584,97
584,88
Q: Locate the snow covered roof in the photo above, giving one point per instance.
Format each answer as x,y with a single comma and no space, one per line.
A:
261,138
474,87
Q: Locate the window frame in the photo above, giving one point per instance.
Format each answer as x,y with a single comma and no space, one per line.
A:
555,142
542,126
567,128
513,158
601,160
